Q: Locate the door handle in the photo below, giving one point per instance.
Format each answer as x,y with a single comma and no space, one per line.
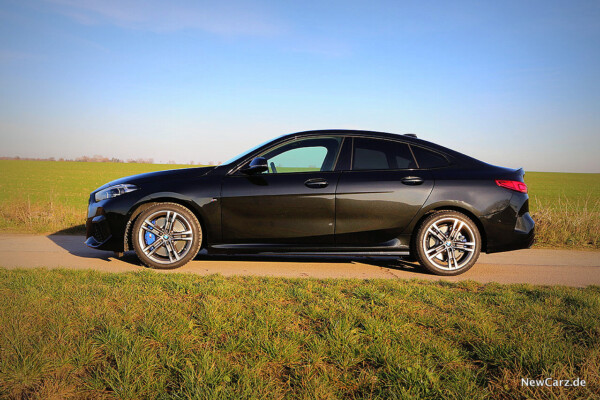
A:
412,180
316,183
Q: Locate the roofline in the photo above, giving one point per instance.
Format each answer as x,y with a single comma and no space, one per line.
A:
456,157
409,139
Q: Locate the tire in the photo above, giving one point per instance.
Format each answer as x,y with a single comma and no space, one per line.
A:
166,236
448,243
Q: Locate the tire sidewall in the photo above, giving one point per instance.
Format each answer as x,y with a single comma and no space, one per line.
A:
196,231
420,252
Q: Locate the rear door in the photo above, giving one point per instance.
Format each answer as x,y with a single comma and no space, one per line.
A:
381,193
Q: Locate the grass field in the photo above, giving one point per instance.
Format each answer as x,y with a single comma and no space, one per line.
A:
555,190
47,196
85,334
566,208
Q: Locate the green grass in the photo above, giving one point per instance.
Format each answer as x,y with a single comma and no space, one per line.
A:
65,183
50,196
566,209
552,190
85,334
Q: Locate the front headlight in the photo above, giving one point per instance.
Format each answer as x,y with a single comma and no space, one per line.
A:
114,191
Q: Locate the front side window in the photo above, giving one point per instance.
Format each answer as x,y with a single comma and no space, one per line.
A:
381,154
303,155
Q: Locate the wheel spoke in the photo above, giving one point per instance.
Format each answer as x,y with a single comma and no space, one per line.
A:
186,235
451,259
455,229
157,245
171,218
462,246
168,248
435,250
150,227
167,219
172,252
439,231
435,231
185,238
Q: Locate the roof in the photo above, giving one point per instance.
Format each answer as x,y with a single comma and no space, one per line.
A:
384,135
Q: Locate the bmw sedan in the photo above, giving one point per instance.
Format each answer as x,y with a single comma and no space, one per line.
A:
354,193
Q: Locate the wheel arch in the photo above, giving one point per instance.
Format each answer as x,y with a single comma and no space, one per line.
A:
139,207
450,207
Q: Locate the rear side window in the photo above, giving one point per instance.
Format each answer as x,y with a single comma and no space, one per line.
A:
429,159
381,154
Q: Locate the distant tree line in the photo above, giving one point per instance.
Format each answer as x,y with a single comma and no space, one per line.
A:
98,158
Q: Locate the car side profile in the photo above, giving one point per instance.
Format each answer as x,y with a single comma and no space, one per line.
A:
320,192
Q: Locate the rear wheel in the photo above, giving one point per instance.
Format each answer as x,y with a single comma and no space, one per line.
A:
448,243
166,235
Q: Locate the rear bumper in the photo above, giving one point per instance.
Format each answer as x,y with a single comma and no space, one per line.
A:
512,228
522,236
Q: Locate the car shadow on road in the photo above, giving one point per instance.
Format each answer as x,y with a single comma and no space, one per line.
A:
378,261
75,246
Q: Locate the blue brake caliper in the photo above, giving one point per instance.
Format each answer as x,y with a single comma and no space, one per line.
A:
149,237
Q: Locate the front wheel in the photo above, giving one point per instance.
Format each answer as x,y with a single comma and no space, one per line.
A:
448,243
166,235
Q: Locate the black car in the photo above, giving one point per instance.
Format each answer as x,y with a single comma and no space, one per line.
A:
327,192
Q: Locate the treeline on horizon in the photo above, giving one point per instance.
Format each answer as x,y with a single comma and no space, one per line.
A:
98,158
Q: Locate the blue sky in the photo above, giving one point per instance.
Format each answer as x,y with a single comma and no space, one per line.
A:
514,83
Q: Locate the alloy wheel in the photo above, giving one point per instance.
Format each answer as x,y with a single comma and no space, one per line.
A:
165,236
448,243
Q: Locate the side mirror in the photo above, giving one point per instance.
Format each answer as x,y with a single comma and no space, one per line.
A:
256,166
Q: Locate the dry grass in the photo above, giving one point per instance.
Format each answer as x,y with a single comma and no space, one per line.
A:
568,224
41,217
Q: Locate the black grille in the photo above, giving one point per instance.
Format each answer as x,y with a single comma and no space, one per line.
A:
100,231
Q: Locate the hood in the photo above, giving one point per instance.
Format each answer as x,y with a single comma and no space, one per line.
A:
171,174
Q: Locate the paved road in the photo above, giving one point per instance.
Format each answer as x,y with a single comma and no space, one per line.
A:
536,266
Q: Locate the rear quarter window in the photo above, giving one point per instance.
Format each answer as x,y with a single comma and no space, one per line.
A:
429,159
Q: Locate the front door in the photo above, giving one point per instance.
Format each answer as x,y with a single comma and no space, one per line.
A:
293,203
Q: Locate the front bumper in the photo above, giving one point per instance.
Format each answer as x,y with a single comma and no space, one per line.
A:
105,224
97,231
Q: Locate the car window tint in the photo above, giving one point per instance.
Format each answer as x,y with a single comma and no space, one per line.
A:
313,154
381,154
429,159
370,159
298,160
402,162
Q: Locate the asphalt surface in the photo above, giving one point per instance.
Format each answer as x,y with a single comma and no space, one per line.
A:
535,266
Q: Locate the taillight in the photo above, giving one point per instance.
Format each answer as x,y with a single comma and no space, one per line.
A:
512,185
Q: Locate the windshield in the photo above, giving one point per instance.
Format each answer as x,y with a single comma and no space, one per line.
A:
245,153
